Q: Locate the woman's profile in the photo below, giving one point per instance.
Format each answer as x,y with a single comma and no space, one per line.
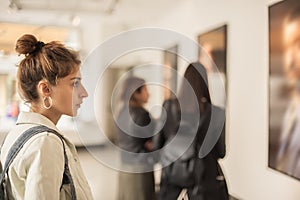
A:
49,81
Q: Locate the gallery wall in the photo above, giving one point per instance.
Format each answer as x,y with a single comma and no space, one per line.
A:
246,163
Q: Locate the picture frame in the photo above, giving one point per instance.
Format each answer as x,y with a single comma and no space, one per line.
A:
283,118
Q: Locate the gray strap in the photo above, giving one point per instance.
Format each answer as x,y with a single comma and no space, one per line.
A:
17,146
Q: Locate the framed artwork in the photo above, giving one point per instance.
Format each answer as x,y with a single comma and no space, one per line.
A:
284,87
212,54
170,62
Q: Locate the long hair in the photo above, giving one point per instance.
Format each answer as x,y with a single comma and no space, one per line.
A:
293,15
194,94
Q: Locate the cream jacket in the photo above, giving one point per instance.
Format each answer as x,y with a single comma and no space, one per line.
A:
37,171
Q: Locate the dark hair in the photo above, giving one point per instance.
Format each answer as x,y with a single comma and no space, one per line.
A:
130,86
293,14
50,61
196,76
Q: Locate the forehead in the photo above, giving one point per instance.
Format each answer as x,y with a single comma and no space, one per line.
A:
74,74
291,31
292,27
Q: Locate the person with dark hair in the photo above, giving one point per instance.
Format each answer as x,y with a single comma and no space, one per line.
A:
289,148
49,81
134,137
195,112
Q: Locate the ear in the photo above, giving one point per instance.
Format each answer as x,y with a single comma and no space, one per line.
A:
44,88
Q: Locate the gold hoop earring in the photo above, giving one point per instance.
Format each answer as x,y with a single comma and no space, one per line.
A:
50,102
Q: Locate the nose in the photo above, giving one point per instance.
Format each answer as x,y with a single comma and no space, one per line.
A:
84,93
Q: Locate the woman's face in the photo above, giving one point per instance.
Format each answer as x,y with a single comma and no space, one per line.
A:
142,96
68,94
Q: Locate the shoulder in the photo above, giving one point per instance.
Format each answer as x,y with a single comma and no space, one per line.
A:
41,142
43,149
44,139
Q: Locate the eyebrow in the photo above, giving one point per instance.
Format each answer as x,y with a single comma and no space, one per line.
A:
76,78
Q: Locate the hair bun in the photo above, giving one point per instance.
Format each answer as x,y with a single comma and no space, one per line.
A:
27,44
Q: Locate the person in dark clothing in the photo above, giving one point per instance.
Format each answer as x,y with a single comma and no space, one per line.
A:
193,107
134,137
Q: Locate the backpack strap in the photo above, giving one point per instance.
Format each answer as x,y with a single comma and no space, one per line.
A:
18,145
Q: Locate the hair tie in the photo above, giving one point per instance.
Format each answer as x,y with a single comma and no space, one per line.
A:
38,46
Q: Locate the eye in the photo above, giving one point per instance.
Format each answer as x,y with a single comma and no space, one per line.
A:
76,83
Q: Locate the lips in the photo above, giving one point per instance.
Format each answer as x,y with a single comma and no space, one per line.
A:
78,105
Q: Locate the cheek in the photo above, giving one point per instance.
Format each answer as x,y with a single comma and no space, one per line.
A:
146,96
76,97
64,100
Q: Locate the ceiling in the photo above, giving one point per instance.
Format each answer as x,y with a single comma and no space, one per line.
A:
125,9
99,6
9,32
42,17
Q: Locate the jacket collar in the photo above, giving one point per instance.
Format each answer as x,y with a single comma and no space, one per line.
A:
35,118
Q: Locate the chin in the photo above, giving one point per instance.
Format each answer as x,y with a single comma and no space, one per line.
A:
74,114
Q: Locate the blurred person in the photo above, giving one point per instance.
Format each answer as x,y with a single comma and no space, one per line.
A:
135,137
288,154
209,183
49,80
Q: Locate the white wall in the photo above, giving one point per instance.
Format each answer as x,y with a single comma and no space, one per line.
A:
246,163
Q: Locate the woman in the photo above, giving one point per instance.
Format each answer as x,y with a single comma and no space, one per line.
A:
135,139
49,80
209,182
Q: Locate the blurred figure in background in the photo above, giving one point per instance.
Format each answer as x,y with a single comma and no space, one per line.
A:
207,181
289,148
134,137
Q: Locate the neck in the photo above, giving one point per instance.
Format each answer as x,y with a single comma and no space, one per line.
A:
51,115
52,118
